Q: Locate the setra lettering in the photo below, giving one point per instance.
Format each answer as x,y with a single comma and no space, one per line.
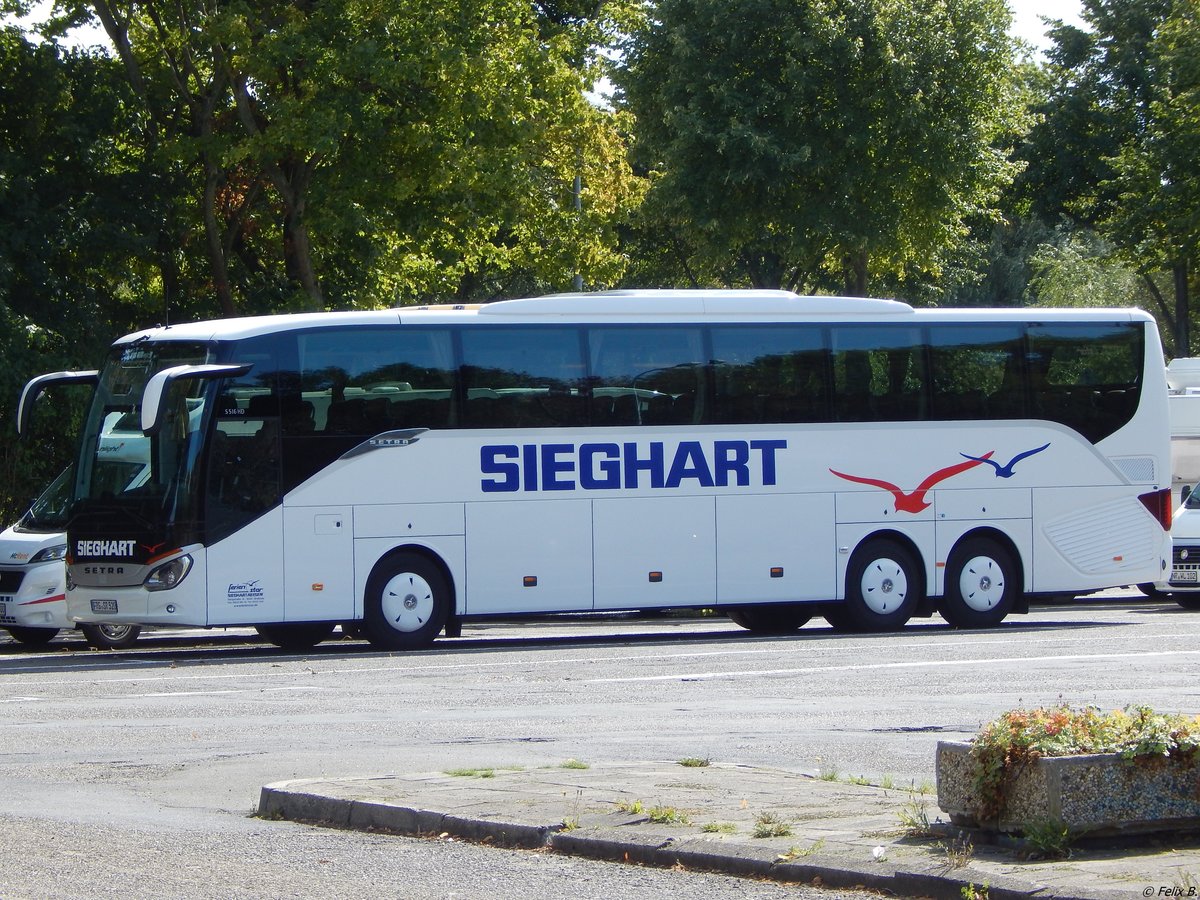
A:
509,468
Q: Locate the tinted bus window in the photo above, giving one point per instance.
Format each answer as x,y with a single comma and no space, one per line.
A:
977,371
1086,376
652,375
879,374
523,378
767,374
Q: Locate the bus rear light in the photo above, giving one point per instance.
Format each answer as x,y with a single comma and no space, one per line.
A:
1159,505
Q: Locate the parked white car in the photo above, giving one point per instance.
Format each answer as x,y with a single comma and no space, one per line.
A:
33,596
1183,581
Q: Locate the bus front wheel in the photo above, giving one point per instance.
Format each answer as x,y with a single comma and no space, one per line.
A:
883,587
110,637
782,618
407,603
981,585
1187,601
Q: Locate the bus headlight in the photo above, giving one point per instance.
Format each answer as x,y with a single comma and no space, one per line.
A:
50,554
168,575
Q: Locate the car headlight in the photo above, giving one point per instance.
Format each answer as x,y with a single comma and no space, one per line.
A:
168,575
50,554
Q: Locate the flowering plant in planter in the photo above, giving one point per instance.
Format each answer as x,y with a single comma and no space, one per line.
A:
1018,737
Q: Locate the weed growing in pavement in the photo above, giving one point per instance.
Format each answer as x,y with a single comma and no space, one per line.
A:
887,782
801,852
636,807
1049,839
769,825
858,779
827,772
958,852
970,892
718,828
667,815
471,773
913,818
574,764
695,762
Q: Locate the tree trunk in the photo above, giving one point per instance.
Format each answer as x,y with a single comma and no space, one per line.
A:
1183,341
854,271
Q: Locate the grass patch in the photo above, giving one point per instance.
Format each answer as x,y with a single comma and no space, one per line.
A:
636,807
913,818
574,764
667,815
695,762
718,828
769,825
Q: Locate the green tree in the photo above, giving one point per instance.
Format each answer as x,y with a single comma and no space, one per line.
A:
1118,145
816,144
357,152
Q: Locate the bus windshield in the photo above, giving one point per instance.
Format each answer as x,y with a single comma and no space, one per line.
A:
118,462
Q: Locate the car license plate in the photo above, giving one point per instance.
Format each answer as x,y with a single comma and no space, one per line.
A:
104,606
1185,575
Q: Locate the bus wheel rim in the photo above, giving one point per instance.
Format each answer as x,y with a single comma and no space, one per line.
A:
981,583
884,586
408,602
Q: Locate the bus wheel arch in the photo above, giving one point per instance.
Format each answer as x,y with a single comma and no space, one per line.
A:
984,580
885,582
409,599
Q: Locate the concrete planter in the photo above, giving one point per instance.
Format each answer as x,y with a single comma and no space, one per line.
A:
1099,794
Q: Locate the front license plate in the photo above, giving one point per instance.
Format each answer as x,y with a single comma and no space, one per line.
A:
1185,575
104,606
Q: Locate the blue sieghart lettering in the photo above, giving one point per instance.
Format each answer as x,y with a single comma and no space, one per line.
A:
625,466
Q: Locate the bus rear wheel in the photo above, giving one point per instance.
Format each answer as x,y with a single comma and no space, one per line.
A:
883,587
981,585
407,603
296,637
110,637
32,637
783,618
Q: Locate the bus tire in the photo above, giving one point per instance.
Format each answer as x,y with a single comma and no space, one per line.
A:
981,584
32,637
407,603
110,637
1187,601
772,618
883,588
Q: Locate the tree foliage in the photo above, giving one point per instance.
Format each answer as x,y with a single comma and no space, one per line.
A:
1118,145
804,144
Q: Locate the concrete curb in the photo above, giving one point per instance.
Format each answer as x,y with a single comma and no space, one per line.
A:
522,813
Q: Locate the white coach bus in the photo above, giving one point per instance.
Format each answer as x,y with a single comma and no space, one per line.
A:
771,456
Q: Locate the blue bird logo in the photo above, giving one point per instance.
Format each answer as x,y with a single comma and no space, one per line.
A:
1006,470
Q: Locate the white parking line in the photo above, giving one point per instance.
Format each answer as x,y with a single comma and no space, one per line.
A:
916,664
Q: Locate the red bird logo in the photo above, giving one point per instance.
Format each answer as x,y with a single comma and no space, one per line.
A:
915,502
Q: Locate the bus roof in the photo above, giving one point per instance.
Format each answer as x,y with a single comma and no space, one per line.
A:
659,305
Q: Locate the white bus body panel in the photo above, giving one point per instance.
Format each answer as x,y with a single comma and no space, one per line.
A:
759,533
318,567
674,537
549,542
252,587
